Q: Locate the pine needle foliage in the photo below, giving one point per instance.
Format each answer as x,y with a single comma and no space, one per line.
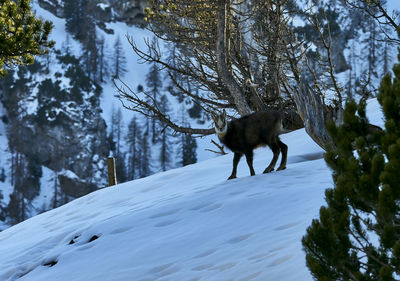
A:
22,35
357,235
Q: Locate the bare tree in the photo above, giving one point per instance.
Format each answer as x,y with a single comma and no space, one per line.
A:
213,56
242,68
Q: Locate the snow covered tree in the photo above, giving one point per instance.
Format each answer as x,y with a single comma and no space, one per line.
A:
357,236
22,35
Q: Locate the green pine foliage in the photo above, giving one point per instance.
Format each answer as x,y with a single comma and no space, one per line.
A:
357,235
22,35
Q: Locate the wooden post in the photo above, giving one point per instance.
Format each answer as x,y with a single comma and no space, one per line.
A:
112,175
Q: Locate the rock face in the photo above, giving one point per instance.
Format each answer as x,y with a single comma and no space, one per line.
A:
54,123
128,11
54,6
73,186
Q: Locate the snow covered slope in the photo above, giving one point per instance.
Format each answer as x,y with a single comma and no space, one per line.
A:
183,224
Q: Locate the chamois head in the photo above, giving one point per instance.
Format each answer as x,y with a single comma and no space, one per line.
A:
220,123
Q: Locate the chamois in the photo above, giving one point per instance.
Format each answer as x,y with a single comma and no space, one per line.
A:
245,134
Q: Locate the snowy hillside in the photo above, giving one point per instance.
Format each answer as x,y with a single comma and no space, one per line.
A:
183,224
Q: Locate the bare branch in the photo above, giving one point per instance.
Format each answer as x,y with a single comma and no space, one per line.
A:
150,109
220,147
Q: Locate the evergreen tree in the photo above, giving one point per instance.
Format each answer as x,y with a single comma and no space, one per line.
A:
2,176
90,55
2,208
29,34
174,76
75,16
166,149
154,84
120,166
116,136
66,45
386,58
145,155
103,73
189,146
26,187
133,141
357,236
119,63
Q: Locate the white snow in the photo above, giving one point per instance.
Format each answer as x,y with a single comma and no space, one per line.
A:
184,224
103,6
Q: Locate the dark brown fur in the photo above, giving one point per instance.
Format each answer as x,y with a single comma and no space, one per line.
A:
245,134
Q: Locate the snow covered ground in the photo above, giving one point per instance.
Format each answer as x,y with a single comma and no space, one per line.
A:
184,224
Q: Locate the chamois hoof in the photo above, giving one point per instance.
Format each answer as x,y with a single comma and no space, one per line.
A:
281,168
268,170
231,177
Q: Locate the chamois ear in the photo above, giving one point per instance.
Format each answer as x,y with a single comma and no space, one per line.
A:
224,113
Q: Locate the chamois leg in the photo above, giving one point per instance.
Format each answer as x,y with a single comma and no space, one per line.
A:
249,159
236,159
275,150
284,149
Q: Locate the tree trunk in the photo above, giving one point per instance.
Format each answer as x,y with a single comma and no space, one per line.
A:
313,112
239,98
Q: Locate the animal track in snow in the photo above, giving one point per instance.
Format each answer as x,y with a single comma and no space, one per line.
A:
277,249
73,240
205,254
164,214
164,270
120,230
94,237
250,277
211,207
287,226
261,257
224,267
279,261
203,267
256,194
239,238
166,223
50,263
200,206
